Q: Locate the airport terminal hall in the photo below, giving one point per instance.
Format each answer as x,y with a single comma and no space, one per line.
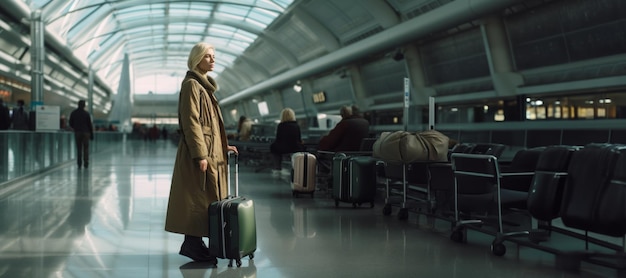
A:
312,138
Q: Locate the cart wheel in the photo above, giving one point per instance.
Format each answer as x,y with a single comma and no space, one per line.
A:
336,203
251,256
403,214
498,249
238,262
230,263
371,204
387,209
457,236
354,205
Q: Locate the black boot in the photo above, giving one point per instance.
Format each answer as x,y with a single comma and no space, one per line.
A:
195,248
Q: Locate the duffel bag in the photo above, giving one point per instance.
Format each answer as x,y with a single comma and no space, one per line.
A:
406,147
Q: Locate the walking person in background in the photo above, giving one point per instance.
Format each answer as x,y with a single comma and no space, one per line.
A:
80,122
19,119
200,169
5,118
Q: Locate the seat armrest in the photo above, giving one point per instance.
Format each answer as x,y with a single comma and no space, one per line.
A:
516,174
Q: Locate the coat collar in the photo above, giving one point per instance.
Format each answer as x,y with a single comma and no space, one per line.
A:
206,81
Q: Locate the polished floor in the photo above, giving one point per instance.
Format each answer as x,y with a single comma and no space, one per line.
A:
107,221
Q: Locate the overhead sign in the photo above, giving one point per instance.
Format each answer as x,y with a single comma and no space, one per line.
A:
319,97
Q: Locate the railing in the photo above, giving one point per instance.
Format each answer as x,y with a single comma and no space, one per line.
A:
23,153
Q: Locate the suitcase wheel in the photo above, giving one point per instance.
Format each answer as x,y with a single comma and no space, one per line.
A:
498,249
237,261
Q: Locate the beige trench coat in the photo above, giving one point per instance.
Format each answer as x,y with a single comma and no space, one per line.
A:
202,136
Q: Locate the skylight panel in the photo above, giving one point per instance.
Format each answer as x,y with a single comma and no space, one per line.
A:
228,31
39,3
243,37
147,29
196,9
234,9
278,6
166,30
186,28
132,12
263,16
190,38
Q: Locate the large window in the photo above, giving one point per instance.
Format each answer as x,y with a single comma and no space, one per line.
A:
588,106
567,31
536,108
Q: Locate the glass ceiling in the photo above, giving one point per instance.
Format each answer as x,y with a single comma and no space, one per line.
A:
157,35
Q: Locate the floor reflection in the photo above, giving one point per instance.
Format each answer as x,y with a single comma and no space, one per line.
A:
108,221
200,270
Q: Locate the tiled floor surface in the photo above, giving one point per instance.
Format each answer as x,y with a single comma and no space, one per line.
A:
107,221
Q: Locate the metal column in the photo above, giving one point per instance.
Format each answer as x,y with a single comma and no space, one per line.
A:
37,32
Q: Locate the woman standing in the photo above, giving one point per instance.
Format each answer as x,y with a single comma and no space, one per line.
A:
200,174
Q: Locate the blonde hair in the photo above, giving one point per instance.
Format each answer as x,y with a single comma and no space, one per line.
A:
197,54
287,115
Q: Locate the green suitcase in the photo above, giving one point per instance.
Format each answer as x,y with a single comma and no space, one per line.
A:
354,179
232,226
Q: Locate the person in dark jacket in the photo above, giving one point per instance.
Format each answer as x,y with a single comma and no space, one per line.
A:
5,118
288,138
19,119
80,122
347,134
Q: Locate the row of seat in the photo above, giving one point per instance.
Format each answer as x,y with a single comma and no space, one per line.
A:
583,186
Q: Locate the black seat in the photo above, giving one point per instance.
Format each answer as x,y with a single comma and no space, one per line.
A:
442,177
546,190
518,175
488,148
611,212
590,176
594,198
479,196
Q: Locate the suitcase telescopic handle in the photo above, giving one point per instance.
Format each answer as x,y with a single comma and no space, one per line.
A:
236,173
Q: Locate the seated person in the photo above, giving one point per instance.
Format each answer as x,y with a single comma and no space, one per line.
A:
347,134
244,129
288,138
